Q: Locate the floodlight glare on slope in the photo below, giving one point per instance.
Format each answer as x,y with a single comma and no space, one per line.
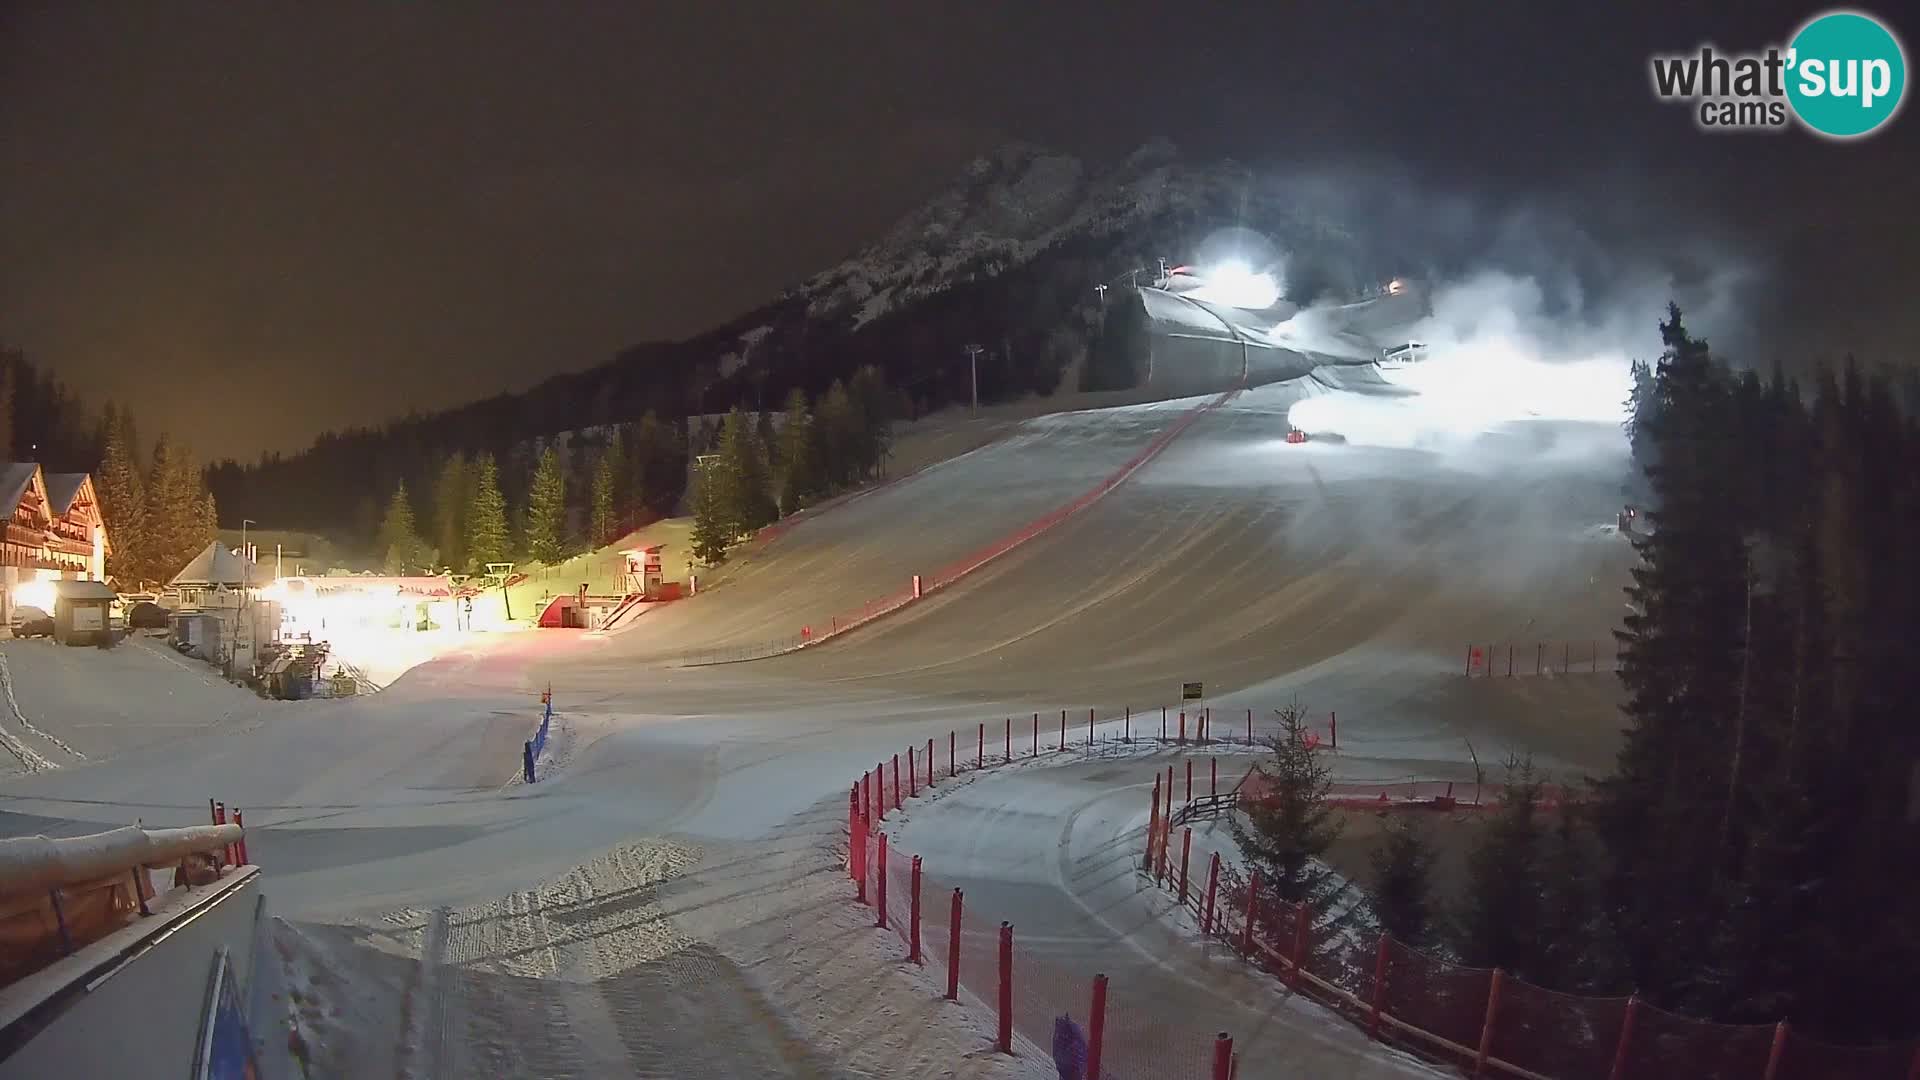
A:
1235,284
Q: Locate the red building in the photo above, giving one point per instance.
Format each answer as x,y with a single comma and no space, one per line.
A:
54,530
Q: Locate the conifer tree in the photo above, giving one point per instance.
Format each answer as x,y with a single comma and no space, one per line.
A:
799,467
176,509
452,494
123,502
547,510
1402,881
756,481
604,519
1681,659
1286,830
711,527
402,550
837,441
487,537
1501,919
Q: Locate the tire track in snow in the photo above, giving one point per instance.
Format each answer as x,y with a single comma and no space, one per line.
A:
433,957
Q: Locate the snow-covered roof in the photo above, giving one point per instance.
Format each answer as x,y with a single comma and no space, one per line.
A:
83,590
215,565
15,478
62,489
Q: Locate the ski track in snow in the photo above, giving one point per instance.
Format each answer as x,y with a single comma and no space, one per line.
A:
13,710
30,760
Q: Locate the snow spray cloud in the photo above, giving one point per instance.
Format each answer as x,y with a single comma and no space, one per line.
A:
1501,351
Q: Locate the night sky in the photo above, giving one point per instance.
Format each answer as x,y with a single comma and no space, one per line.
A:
259,221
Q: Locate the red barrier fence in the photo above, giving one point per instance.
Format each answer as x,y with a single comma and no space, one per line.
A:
1482,1020
1504,659
918,586
1490,1023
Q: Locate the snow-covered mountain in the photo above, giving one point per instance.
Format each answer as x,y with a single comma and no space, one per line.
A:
1006,209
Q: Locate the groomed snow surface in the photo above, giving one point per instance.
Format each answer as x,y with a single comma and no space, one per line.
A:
668,899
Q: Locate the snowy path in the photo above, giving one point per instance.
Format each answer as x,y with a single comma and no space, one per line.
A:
1055,850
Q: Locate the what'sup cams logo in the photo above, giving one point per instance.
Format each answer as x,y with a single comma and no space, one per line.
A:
1843,75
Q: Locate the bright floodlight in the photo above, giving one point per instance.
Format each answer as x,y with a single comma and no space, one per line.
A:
1235,284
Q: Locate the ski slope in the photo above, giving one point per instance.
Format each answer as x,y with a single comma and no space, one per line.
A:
1348,576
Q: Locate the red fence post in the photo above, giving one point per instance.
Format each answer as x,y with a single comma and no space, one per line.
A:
1096,1025
1063,729
913,775
980,761
953,766
1005,1041
1213,884
241,844
1036,736
1163,723
1253,909
1333,728
1213,776
953,950
1206,724
1089,727
1169,812
913,919
1486,1028
880,896
1126,731
857,858
1222,1057
1153,821
1300,923
1249,727
1619,1070
853,816
1469,661
930,769
1779,1047
1183,727
1009,740
1186,849
1189,780
896,781
1379,989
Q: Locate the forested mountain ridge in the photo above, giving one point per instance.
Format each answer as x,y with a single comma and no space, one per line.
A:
1006,258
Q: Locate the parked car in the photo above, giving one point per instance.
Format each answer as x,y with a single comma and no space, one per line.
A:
147,615
30,621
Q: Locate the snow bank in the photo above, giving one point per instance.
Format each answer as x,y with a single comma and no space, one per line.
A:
31,863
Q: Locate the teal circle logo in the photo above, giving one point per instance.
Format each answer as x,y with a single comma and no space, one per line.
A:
1847,74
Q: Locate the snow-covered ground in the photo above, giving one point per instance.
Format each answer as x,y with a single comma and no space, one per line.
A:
1348,577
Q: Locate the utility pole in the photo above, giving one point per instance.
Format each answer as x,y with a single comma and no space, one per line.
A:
973,358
